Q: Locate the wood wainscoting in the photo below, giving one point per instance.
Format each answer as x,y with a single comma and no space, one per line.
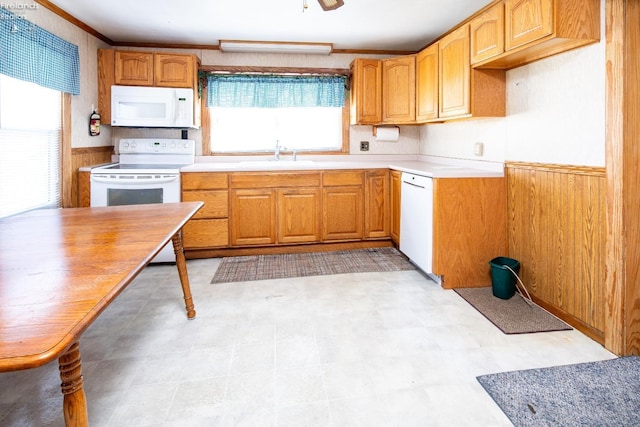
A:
557,230
85,156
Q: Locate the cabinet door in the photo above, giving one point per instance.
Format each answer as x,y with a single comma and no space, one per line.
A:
253,217
396,185
427,84
455,73
487,34
376,205
173,70
134,68
342,213
526,21
298,215
398,89
366,91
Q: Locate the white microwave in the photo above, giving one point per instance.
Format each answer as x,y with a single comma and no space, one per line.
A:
155,107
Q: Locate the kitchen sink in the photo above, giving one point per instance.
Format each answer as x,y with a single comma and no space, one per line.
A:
287,164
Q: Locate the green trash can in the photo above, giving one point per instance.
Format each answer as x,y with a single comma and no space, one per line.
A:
502,279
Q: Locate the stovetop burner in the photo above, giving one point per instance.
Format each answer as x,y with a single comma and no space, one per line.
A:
147,155
121,166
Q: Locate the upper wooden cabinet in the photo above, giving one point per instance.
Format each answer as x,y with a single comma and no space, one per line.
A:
465,92
398,90
155,69
366,91
427,84
535,29
383,91
527,21
454,73
135,68
174,70
487,34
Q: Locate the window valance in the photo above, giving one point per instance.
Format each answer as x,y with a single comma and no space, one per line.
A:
32,54
275,91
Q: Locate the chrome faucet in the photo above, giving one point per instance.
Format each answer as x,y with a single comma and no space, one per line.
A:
276,154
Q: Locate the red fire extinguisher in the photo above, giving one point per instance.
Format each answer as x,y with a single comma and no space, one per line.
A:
94,123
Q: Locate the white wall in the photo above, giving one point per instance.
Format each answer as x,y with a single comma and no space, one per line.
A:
555,114
87,49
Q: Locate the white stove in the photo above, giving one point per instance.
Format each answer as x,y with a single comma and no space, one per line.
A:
148,172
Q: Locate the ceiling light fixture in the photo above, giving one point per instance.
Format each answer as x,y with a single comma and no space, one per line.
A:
275,47
330,4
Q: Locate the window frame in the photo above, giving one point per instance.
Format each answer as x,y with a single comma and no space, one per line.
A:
205,122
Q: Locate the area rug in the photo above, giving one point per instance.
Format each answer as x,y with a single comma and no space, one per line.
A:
261,267
604,393
513,315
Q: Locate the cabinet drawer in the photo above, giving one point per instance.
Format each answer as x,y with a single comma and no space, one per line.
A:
275,179
330,179
216,203
204,181
205,233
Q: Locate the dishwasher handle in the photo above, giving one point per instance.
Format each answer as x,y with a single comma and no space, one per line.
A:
413,185
418,181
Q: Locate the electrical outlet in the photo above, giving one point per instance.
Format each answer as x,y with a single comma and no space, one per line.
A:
364,145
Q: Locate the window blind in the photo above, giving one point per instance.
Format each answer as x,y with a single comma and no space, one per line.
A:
30,133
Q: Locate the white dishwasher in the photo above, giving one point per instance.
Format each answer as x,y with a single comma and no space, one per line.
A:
416,220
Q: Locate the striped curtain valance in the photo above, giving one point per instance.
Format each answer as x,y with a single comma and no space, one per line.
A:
32,54
269,91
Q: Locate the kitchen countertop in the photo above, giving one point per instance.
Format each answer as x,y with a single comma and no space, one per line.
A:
430,166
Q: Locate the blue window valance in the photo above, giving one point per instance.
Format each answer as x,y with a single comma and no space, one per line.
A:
32,54
269,91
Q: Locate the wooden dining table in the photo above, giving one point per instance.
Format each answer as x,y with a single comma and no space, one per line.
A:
60,268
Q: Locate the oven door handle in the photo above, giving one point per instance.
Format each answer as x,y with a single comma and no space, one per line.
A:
162,180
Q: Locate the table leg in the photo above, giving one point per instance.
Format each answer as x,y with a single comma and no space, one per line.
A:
75,401
184,277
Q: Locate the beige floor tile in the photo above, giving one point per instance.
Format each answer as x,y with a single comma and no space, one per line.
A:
368,349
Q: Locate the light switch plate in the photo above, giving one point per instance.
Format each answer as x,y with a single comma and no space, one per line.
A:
478,149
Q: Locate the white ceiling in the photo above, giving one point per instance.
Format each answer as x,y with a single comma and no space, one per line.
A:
404,25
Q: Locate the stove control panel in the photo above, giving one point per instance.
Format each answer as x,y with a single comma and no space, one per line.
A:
160,146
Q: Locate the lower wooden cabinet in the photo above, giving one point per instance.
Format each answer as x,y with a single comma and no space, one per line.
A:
209,227
253,217
298,212
394,198
342,205
251,209
342,213
205,233
269,208
377,204
469,229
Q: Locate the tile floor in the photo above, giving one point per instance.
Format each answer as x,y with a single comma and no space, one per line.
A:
367,349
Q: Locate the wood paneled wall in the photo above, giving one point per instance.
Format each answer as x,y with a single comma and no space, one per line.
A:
557,230
86,156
